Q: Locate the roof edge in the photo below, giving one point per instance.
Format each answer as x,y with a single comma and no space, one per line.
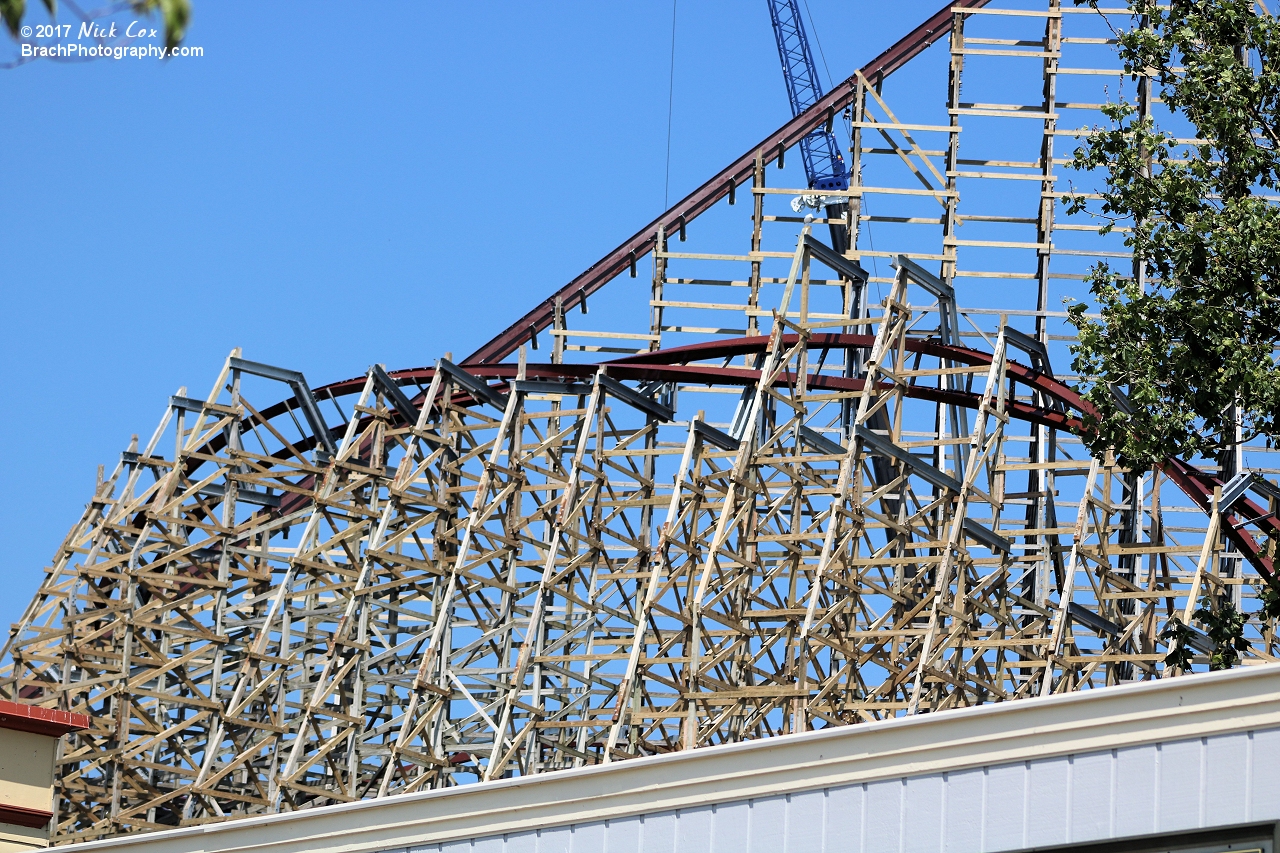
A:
23,816
15,716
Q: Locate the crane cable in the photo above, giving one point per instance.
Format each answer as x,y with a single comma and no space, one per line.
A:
875,268
813,29
671,80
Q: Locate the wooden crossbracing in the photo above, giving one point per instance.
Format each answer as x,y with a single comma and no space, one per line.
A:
818,496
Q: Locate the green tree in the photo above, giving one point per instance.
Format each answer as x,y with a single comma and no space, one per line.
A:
1223,624
1225,627
176,15
1193,349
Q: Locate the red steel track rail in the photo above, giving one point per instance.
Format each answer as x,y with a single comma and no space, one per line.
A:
697,202
679,364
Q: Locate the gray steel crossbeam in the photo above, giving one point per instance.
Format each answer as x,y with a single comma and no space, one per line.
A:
820,442
1200,641
248,496
1092,620
1034,349
475,387
397,397
189,403
1263,486
295,380
132,457
266,371
547,386
925,279
1234,489
720,439
635,399
994,541
829,256
923,469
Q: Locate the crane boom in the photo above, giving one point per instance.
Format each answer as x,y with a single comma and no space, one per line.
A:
823,163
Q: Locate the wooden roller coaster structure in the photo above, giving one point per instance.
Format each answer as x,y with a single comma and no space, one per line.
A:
816,497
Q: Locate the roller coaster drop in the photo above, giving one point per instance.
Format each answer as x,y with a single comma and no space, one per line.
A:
823,498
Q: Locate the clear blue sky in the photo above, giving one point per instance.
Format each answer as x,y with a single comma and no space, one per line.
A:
333,185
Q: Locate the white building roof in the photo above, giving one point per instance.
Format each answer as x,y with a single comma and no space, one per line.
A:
1094,721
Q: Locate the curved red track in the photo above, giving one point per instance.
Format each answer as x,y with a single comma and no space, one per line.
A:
681,364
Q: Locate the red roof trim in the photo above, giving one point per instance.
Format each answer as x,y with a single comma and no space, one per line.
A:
23,816
42,721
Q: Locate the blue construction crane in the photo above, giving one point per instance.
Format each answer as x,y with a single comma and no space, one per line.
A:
823,164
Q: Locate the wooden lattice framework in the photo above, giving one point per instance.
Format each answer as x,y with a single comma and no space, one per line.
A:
818,497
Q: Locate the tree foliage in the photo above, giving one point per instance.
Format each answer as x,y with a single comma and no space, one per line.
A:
1193,349
1223,624
175,13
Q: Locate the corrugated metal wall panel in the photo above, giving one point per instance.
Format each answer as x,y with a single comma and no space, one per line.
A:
622,836
767,827
1224,788
1089,796
883,827
846,810
805,827
729,828
658,834
488,845
694,830
922,813
1045,815
1178,785
1265,798
965,792
1008,792
1167,787
1135,802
